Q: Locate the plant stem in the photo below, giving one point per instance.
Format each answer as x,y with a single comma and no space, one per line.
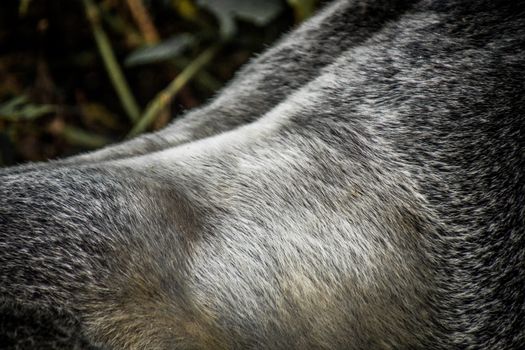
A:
113,68
79,137
204,79
163,98
144,22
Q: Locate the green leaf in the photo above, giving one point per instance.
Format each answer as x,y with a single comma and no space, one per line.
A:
19,108
258,12
13,103
165,50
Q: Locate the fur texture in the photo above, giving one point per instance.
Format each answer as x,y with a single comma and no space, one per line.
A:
358,186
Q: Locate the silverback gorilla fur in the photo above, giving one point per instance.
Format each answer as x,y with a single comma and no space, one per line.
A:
360,185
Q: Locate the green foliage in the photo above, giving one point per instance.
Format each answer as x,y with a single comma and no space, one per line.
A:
259,12
165,50
76,75
19,108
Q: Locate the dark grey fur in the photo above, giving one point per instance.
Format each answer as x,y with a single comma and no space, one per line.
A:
358,186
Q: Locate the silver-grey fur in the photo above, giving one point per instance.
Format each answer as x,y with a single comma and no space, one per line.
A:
358,186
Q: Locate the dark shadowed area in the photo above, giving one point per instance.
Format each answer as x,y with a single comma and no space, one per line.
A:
77,75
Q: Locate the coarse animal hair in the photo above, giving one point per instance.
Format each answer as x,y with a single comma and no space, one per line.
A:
360,185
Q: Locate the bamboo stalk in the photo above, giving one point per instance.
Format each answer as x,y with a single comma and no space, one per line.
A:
163,98
144,22
80,137
110,62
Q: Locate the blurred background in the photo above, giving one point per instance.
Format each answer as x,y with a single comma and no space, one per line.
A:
76,75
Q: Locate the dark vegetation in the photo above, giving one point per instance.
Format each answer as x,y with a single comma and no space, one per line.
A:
79,74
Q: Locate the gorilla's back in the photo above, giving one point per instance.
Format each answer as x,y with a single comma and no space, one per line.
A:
357,186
